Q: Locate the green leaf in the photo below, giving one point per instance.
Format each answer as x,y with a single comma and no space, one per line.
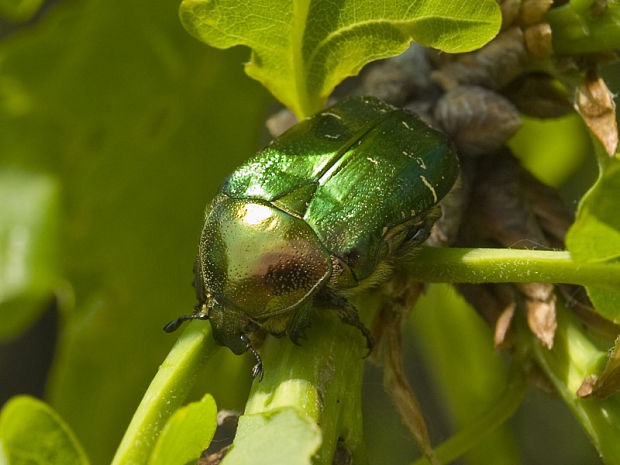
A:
467,371
19,10
32,433
29,219
595,235
606,302
283,436
186,434
302,49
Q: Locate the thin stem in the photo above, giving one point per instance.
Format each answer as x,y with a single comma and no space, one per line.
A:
488,422
166,393
453,265
574,357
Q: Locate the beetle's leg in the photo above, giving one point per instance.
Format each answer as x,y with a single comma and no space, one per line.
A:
174,324
257,369
347,314
299,322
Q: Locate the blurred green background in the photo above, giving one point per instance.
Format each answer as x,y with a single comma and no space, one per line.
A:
132,125
116,128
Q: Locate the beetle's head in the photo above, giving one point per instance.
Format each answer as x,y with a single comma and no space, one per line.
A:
254,262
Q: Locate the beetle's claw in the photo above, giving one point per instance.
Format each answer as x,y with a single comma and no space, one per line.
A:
257,370
173,325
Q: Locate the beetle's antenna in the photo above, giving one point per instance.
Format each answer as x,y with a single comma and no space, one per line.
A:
174,324
257,370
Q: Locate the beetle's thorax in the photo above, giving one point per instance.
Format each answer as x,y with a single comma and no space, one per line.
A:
257,259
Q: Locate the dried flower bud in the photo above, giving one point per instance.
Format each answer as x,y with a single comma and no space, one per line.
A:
401,77
551,213
503,325
587,386
493,66
532,11
479,120
608,382
540,305
538,40
445,230
539,95
595,104
495,303
389,82
510,12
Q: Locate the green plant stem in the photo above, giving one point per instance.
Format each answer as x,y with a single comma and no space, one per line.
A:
322,378
468,438
166,393
452,265
573,357
576,30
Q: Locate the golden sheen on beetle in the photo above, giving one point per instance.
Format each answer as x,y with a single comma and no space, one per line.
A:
315,216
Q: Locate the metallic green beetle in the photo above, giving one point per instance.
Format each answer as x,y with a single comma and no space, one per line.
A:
315,216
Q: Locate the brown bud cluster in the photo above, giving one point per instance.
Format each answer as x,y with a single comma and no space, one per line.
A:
479,120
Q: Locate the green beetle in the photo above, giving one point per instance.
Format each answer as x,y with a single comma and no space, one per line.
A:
318,214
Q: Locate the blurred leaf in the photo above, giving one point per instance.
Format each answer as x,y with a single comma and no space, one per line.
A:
186,434
283,436
467,370
32,433
140,124
19,10
29,220
551,149
301,50
578,28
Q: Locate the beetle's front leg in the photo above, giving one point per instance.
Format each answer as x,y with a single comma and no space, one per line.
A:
346,312
257,369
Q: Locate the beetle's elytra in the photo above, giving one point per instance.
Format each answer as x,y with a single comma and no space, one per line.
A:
313,216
